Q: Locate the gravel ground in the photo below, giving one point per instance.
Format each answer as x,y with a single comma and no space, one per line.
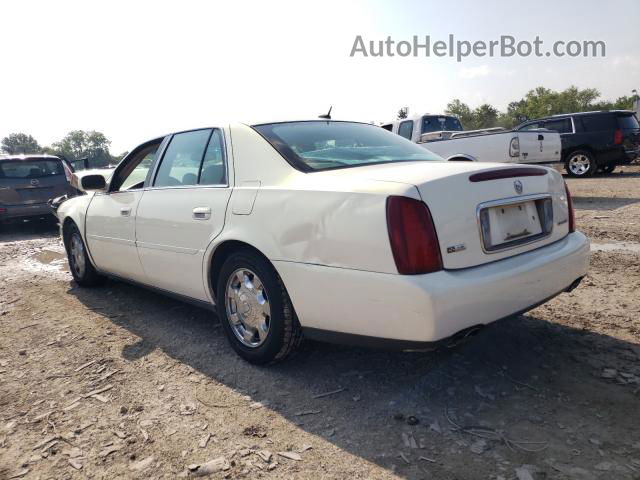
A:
118,382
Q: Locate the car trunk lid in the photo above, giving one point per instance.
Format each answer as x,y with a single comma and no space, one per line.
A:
509,202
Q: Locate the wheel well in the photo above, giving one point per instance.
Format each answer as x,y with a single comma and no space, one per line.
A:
575,149
65,228
221,253
460,159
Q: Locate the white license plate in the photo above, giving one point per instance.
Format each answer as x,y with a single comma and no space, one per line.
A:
508,224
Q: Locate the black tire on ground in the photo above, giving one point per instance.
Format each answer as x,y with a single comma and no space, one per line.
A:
609,168
580,164
81,267
284,334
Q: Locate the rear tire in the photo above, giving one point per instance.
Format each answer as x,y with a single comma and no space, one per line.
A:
255,309
580,164
80,265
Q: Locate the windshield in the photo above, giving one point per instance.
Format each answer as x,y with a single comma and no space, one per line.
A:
324,145
437,123
30,168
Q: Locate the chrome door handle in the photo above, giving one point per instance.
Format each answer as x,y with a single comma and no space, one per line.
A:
125,212
201,213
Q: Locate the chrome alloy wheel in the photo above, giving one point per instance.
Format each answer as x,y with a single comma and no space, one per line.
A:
77,255
247,307
579,164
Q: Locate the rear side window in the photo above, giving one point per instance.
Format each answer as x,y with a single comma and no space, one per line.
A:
597,123
30,168
389,127
561,125
628,122
406,129
181,162
213,171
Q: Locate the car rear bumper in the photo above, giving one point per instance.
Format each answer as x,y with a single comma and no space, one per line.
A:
9,212
416,309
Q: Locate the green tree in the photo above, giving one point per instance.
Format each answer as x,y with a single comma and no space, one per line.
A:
20,143
80,144
402,113
462,112
484,116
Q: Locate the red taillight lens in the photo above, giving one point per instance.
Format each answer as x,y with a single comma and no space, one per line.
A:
413,238
572,214
617,137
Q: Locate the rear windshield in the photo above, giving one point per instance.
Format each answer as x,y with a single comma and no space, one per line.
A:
628,121
435,123
30,168
324,145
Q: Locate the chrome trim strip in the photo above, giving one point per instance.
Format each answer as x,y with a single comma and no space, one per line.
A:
167,248
120,241
512,201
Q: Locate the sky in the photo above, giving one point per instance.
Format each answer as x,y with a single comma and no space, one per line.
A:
134,70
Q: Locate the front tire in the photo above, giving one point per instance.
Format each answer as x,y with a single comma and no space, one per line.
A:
255,309
81,267
580,164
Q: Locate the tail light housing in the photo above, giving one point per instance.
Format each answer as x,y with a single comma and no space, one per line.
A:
413,238
514,147
571,212
617,137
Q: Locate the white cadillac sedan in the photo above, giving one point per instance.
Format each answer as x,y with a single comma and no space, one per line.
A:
330,230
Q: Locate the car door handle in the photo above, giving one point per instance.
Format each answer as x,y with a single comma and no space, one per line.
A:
201,213
125,212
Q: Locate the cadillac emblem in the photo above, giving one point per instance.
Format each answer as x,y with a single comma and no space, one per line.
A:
517,185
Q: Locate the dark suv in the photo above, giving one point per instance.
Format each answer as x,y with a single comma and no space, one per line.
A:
593,141
27,182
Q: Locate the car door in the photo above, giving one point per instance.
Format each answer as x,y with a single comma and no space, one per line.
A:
539,145
183,211
110,220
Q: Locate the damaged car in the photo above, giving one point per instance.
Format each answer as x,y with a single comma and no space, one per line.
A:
330,230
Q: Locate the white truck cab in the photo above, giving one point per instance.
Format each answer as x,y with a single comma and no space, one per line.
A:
445,136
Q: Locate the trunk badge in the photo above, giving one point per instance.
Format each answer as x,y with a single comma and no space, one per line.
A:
456,248
517,185
35,182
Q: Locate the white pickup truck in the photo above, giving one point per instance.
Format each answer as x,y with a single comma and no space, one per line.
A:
444,135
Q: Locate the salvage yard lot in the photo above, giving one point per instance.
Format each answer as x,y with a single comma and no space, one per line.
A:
119,382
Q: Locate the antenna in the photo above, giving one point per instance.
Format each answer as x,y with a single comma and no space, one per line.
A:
326,116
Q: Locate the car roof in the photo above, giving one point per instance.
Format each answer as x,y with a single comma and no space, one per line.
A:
594,112
29,156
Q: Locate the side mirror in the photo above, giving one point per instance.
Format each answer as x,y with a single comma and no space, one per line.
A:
93,183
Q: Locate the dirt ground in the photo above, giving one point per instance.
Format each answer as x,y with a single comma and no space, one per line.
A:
118,382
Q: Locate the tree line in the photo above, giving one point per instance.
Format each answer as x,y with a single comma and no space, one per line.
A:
537,103
76,145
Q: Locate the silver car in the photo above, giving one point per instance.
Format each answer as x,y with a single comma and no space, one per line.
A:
28,182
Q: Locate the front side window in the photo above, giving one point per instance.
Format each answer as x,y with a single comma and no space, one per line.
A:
134,172
406,129
30,168
181,162
324,145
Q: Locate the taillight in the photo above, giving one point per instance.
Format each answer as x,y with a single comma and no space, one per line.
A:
617,137
514,147
412,235
572,214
